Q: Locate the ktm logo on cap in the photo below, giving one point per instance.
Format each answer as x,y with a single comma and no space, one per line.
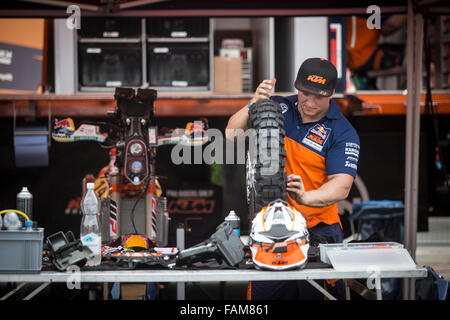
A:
317,79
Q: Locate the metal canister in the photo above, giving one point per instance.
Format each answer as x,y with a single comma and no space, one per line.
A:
234,221
162,222
25,202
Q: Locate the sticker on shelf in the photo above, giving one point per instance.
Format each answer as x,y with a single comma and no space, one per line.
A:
178,83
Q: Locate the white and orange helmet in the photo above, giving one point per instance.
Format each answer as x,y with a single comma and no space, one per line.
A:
279,239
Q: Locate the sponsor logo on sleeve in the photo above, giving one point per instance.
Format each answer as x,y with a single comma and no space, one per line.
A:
352,153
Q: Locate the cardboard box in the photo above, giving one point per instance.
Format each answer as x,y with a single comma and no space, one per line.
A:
133,291
228,75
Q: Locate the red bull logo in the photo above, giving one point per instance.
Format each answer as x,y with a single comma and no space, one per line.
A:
64,123
195,126
320,131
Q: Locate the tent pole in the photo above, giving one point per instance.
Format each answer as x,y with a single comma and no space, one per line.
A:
418,50
412,139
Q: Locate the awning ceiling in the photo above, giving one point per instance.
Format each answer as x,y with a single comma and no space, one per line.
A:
142,8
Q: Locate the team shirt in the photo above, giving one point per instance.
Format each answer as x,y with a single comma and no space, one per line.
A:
316,150
361,42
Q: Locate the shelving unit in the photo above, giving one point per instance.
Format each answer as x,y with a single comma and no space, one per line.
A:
165,54
68,44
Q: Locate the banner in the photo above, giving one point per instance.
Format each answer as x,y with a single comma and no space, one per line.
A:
197,209
21,55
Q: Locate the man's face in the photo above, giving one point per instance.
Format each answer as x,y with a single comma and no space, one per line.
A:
312,107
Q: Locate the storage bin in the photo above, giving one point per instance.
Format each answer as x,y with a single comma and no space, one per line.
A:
21,251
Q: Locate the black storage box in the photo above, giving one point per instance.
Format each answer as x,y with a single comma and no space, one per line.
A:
110,64
178,65
110,28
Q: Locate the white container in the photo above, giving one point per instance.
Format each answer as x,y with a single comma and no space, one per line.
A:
371,259
325,248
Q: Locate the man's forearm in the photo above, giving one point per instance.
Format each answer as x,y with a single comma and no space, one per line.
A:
335,189
238,121
321,197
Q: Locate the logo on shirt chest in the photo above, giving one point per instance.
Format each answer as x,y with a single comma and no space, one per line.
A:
316,137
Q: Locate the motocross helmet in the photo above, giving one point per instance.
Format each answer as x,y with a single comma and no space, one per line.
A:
279,239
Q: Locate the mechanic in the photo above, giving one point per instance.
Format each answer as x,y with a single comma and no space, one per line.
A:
322,152
365,52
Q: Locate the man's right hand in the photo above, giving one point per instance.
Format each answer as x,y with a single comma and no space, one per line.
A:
264,90
295,188
239,119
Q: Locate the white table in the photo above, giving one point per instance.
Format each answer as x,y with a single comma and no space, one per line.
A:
226,275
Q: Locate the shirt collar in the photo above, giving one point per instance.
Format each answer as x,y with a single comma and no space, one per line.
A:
332,113
333,110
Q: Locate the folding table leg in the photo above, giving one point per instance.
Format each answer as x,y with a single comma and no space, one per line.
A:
37,290
347,290
181,291
322,290
378,288
180,246
9,294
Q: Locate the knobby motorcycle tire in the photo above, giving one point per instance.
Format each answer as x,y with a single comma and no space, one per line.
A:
267,120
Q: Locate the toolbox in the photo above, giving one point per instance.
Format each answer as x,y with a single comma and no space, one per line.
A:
21,251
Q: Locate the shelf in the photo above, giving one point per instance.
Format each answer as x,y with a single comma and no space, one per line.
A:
194,104
98,104
177,40
109,40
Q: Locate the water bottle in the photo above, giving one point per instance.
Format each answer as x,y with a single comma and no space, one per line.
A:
25,202
234,221
91,232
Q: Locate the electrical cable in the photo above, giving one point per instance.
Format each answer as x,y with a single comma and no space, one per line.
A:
16,211
429,107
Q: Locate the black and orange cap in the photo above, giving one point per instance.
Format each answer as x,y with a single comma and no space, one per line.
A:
317,76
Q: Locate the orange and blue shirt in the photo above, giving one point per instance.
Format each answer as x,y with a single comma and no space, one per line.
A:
317,150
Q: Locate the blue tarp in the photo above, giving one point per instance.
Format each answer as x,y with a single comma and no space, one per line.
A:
377,209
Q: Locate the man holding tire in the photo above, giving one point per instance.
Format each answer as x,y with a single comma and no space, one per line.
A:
322,152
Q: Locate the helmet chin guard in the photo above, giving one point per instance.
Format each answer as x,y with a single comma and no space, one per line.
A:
279,237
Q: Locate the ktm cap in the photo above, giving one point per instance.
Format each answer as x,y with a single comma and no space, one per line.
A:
317,76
